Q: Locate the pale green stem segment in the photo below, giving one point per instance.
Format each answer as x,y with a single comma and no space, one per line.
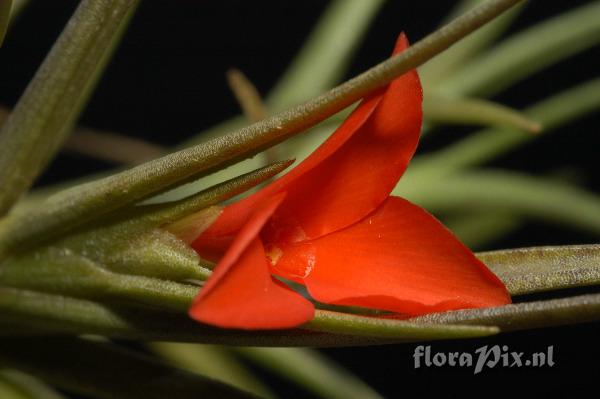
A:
212,361
27,312
528,52
522,316
47,110
530,270
90,201
485,145
311,370
5,10
327,51
497,191
473,111
450,61
73,364
17,385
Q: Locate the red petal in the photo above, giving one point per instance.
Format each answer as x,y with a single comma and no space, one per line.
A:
241,293
399,258
346,178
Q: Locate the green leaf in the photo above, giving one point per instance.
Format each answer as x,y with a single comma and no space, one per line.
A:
518,194
5,9
523,316
23,386
538,269
489,143
477,229
101,237
326,53
527,52
93,200
447,63
212,361
104,370
28,312
343,323
473,111
311,370
59,270
48,108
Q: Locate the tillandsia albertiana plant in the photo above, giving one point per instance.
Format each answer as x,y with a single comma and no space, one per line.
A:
176,273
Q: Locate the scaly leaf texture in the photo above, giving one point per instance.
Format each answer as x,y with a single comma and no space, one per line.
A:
537,269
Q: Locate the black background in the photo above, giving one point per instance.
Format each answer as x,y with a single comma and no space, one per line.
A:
166,82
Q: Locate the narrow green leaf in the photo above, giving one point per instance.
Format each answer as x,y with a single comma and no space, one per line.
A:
28,312
527,52
476,229
524,195
9,391
326,53
522,316
133,219
450,61
5,9
93,200
214,362
489,143
104,370
112,147
311,370
343,323
473,111
24,386
530,270
48,108
58,270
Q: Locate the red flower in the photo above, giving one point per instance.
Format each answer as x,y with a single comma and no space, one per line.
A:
331,225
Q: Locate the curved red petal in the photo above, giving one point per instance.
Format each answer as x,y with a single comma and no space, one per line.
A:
241,293
400,258
346,178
